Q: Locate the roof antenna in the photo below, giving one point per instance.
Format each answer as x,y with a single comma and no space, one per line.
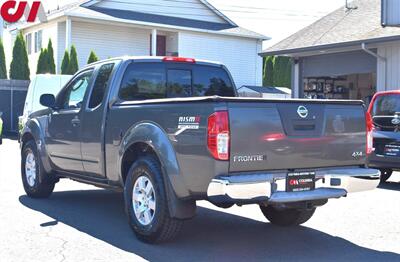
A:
348,7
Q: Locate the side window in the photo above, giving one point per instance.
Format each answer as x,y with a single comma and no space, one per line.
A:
28,40
38,41
179,83
210,81
100,85
75,91
143,81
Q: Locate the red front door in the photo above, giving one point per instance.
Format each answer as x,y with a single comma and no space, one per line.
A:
161,45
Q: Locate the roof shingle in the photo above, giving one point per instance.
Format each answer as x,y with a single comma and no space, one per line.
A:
340,26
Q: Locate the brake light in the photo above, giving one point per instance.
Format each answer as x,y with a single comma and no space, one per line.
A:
370,129
218,135
179,59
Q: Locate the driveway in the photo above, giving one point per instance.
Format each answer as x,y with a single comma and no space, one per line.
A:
83,223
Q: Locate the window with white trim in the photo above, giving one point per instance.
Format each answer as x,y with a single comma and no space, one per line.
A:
28,40
38,41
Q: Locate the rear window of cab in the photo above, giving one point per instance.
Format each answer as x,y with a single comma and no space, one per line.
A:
386,105
144,81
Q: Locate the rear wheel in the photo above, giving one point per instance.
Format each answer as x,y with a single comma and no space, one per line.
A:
385,174
146,203
37,183
287,217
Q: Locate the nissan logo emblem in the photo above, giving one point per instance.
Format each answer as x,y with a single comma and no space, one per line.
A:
396,121
302,111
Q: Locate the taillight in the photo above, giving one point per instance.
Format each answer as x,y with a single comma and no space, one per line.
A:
370,129
218,135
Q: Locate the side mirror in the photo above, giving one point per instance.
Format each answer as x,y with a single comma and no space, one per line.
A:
48,100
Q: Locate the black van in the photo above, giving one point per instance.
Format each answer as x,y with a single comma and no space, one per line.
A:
385,112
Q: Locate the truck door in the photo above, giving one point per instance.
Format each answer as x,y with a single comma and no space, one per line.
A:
64,129
93,121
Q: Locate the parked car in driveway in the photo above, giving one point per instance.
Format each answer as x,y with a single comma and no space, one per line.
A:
385,112
171,131
40,84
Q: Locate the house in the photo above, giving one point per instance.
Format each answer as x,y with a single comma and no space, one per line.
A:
191,28
264,92
349,54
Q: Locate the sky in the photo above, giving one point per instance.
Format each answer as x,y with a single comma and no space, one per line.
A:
277,19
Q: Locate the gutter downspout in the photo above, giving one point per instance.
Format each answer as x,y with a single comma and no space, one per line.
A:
378,57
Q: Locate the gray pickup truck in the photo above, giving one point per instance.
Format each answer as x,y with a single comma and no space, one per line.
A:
171,131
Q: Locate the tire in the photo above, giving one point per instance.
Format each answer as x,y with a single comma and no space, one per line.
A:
287,217
161,227
385,174
36,182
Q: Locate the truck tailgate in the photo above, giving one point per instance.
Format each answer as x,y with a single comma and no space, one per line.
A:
296,135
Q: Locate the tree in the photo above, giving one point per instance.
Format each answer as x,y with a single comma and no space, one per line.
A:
288,74
276,74
42,65
65,63
73,66
268,79
3,68
50,58
19,68
281,76
92,57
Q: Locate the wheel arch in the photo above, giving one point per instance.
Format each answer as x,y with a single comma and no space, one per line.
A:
148,138
33,131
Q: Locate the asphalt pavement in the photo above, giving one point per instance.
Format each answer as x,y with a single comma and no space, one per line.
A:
83,223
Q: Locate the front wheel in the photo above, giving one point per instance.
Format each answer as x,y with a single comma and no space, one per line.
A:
146,203
385,174
37,183
287,217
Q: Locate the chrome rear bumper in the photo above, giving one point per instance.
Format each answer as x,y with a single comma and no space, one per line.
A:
255,188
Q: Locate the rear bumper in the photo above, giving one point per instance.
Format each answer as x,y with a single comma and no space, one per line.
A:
256,188
378,161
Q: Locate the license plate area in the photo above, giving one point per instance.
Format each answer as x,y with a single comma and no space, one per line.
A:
300,181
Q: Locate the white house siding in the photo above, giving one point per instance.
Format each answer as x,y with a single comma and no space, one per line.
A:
60,44
388,77
108,40
238,54
191,9
172,43
49,31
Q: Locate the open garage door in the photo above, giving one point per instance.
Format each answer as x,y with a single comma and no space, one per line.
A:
349,75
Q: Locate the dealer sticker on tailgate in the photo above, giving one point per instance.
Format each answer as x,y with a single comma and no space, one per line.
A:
300,181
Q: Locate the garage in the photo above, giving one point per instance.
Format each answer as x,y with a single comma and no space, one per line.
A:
351,53
347,75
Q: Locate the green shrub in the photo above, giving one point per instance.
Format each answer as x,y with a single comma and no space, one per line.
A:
50,58
65,63
92,58
268,79
42,65
73,66
19,68
3,67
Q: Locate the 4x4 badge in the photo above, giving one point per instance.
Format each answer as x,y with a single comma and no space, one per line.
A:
302,111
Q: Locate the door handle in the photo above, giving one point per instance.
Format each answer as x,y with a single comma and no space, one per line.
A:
75,121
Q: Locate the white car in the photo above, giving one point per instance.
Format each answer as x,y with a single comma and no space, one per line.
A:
41,84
